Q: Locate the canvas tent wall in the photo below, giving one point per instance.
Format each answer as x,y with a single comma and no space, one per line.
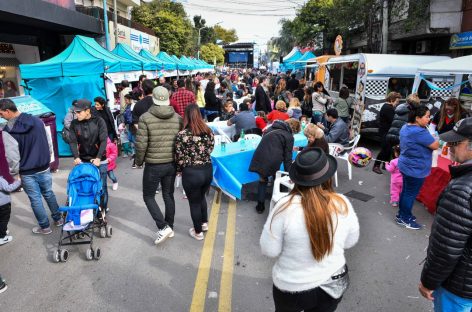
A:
77,72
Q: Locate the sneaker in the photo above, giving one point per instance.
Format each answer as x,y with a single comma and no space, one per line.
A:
39,230
412,218
163,234
59,222
125,156
6,239
260,208
377,170
171,234
394,204
8,231
157,192
204,227
408,223
3,286
115,186
133,166
198,236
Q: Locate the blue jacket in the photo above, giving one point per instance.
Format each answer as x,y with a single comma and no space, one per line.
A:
33,143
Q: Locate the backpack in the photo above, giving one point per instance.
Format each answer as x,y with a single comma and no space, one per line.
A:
128,116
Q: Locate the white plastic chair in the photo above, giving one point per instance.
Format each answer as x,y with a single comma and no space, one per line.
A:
334,150
216,119
221,138
281,178
346,151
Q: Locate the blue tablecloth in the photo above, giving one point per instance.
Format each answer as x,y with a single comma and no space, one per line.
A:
231,167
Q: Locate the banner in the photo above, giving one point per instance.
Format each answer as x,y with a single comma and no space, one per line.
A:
139,40
461,41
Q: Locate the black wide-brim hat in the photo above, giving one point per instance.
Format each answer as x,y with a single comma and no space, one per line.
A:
312,167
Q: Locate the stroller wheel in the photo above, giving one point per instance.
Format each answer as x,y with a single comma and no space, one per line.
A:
97,254
64,255
103,232
56,257
89,254
81,235
109,230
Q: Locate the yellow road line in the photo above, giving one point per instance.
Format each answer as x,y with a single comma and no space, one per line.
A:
226,285
201,283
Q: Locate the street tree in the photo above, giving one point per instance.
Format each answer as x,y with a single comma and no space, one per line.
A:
225,35
211,53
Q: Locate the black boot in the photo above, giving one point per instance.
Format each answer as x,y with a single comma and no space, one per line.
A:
377,170
260,207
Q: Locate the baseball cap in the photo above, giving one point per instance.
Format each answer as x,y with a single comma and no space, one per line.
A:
81,105
160,96
462,131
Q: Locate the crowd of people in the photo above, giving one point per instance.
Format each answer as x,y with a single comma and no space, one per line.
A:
162,126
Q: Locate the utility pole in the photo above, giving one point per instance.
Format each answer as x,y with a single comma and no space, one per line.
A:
105,21
385,27
115,21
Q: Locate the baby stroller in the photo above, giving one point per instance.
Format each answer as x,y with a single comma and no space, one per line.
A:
83,213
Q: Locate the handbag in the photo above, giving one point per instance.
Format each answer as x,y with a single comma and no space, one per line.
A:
337,284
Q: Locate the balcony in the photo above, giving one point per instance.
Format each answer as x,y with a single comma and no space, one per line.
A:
97,12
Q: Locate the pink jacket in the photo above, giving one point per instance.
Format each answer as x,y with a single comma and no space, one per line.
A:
112,153
392,167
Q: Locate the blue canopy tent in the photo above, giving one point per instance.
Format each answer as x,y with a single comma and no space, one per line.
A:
168,66
183,68
293,56
77,72
301,62
125,51
164,56
191,65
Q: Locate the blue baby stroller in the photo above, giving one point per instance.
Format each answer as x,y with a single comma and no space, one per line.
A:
83,213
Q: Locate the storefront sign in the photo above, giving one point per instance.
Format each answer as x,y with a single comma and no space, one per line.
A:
139,40
461,41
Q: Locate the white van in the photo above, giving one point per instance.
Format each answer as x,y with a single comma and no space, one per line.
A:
369,78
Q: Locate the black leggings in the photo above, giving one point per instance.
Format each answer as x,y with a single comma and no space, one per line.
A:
385,153
313,300
196,182
5,211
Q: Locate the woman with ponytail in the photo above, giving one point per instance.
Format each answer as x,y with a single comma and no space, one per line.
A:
308,231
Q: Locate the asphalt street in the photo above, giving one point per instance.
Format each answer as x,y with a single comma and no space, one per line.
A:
225,272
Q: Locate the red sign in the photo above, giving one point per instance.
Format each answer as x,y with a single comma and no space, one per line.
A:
68,4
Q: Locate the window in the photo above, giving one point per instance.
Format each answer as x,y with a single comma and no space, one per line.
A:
343,74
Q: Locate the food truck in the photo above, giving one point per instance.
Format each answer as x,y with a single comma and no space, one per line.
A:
369,78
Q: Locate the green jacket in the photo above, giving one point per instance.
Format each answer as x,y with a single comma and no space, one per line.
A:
342,106
157,131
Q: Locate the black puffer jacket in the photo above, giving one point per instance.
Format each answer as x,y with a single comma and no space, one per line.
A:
275,147
449,259
399,120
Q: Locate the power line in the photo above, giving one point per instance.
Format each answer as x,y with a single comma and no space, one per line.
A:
223,10
261,6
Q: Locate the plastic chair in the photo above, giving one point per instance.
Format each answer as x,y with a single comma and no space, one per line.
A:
334,150
221,138
251,136
345,154
216,119
281,178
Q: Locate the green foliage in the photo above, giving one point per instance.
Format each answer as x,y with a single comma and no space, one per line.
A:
211,52
225,35
170,23
207,34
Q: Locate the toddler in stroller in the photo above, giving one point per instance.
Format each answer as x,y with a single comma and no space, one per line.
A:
83,213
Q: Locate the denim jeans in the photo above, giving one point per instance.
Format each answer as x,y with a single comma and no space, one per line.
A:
38,184
411,188
318,117
151,176
103,176
112,176
445,301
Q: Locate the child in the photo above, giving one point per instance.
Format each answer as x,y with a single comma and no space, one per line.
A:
5,208
294,109
396,180
112,153
261,120
228,111
304,121
3,285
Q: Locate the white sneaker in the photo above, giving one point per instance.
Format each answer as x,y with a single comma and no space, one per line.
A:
198,236
163,234
115,186
6,239
204,227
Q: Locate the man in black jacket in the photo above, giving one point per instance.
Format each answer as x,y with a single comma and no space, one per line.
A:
88,142
262,99
448,268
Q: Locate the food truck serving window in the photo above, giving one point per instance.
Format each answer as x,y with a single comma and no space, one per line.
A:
405,85
343,74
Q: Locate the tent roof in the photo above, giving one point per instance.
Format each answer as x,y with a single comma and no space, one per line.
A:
125,51
163,55
84,56
289,56
306,57
167,64
459,65
396,64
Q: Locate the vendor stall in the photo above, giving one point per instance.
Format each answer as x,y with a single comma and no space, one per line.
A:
80,71
148,67
169,68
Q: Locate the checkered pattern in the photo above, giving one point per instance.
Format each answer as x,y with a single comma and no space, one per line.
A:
376,87
181,99
445,93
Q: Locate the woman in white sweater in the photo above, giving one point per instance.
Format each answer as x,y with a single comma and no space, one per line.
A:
320,99
307,231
